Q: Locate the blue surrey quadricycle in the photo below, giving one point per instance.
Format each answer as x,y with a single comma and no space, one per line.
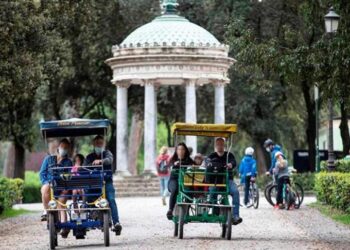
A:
90,209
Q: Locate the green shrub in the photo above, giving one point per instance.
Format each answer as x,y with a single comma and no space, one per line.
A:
11,191
262,181
334,189
342,166
306,180
32,185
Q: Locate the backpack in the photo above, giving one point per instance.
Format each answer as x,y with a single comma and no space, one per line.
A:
163,167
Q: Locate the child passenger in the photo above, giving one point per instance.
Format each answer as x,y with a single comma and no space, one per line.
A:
78,162
198,159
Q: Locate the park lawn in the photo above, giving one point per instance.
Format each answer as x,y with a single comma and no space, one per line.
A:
8,213
333,213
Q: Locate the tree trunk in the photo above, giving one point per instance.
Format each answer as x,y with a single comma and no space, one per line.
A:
311,124
261,157
15,161
169,138
9,166
344,128
135,140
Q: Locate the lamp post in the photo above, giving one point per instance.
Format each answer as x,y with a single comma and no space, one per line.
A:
331,24
316,96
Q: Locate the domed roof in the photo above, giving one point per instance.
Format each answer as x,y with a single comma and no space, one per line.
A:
170,30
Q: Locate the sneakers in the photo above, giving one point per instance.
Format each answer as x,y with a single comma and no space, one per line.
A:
169,215
64,233
163,201
117,228
44,216
278,206
236,220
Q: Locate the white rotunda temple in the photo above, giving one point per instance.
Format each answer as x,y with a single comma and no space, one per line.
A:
170,50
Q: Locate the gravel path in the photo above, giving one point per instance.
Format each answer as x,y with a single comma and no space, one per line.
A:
145,227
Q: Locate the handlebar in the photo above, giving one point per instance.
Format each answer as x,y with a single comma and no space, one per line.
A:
83,167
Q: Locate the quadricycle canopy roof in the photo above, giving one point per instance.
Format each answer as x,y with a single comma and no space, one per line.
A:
208,130
74,127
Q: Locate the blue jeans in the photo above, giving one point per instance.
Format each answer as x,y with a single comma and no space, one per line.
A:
246,189
110,195
164,185
233,190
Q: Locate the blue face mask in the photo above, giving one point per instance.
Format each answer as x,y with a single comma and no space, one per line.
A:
98,150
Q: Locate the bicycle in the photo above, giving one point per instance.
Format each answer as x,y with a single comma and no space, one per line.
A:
267,188
253,194
289,191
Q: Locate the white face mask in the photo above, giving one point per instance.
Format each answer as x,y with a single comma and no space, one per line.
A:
268,150
62,152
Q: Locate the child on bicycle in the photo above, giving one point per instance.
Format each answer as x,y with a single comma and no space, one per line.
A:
282,173
247,171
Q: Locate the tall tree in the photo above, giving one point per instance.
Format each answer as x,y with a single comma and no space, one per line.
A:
22,42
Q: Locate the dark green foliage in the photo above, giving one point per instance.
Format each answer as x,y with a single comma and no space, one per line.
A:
306,180
334,189
342,166
22,41
31,188
10,192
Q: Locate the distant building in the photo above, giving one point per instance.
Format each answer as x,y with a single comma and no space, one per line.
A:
34,160
323,135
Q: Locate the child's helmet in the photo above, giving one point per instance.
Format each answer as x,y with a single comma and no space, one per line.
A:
249,151
278,154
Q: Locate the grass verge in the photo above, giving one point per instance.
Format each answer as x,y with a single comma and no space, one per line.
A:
333,213
8,213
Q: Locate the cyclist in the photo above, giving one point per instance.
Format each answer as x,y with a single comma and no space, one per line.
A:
281,172
247,171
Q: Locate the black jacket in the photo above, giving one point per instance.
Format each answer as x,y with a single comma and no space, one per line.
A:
175,168
107,160
223,160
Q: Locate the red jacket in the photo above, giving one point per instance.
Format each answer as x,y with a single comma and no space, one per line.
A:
161,158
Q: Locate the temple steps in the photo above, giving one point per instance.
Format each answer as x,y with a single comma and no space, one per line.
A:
137,186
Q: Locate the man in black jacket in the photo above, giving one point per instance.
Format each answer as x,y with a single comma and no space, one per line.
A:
227,160
104,157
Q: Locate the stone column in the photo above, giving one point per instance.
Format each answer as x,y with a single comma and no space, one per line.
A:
122,130
191,112
219,103
150,129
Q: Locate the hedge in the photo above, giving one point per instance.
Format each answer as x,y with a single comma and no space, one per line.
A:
11,191
333,188
342,165
31,192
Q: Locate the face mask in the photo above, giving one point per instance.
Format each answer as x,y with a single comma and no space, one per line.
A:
98,150
62,152
268,150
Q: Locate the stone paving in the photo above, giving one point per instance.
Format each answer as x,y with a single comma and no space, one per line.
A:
146,227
